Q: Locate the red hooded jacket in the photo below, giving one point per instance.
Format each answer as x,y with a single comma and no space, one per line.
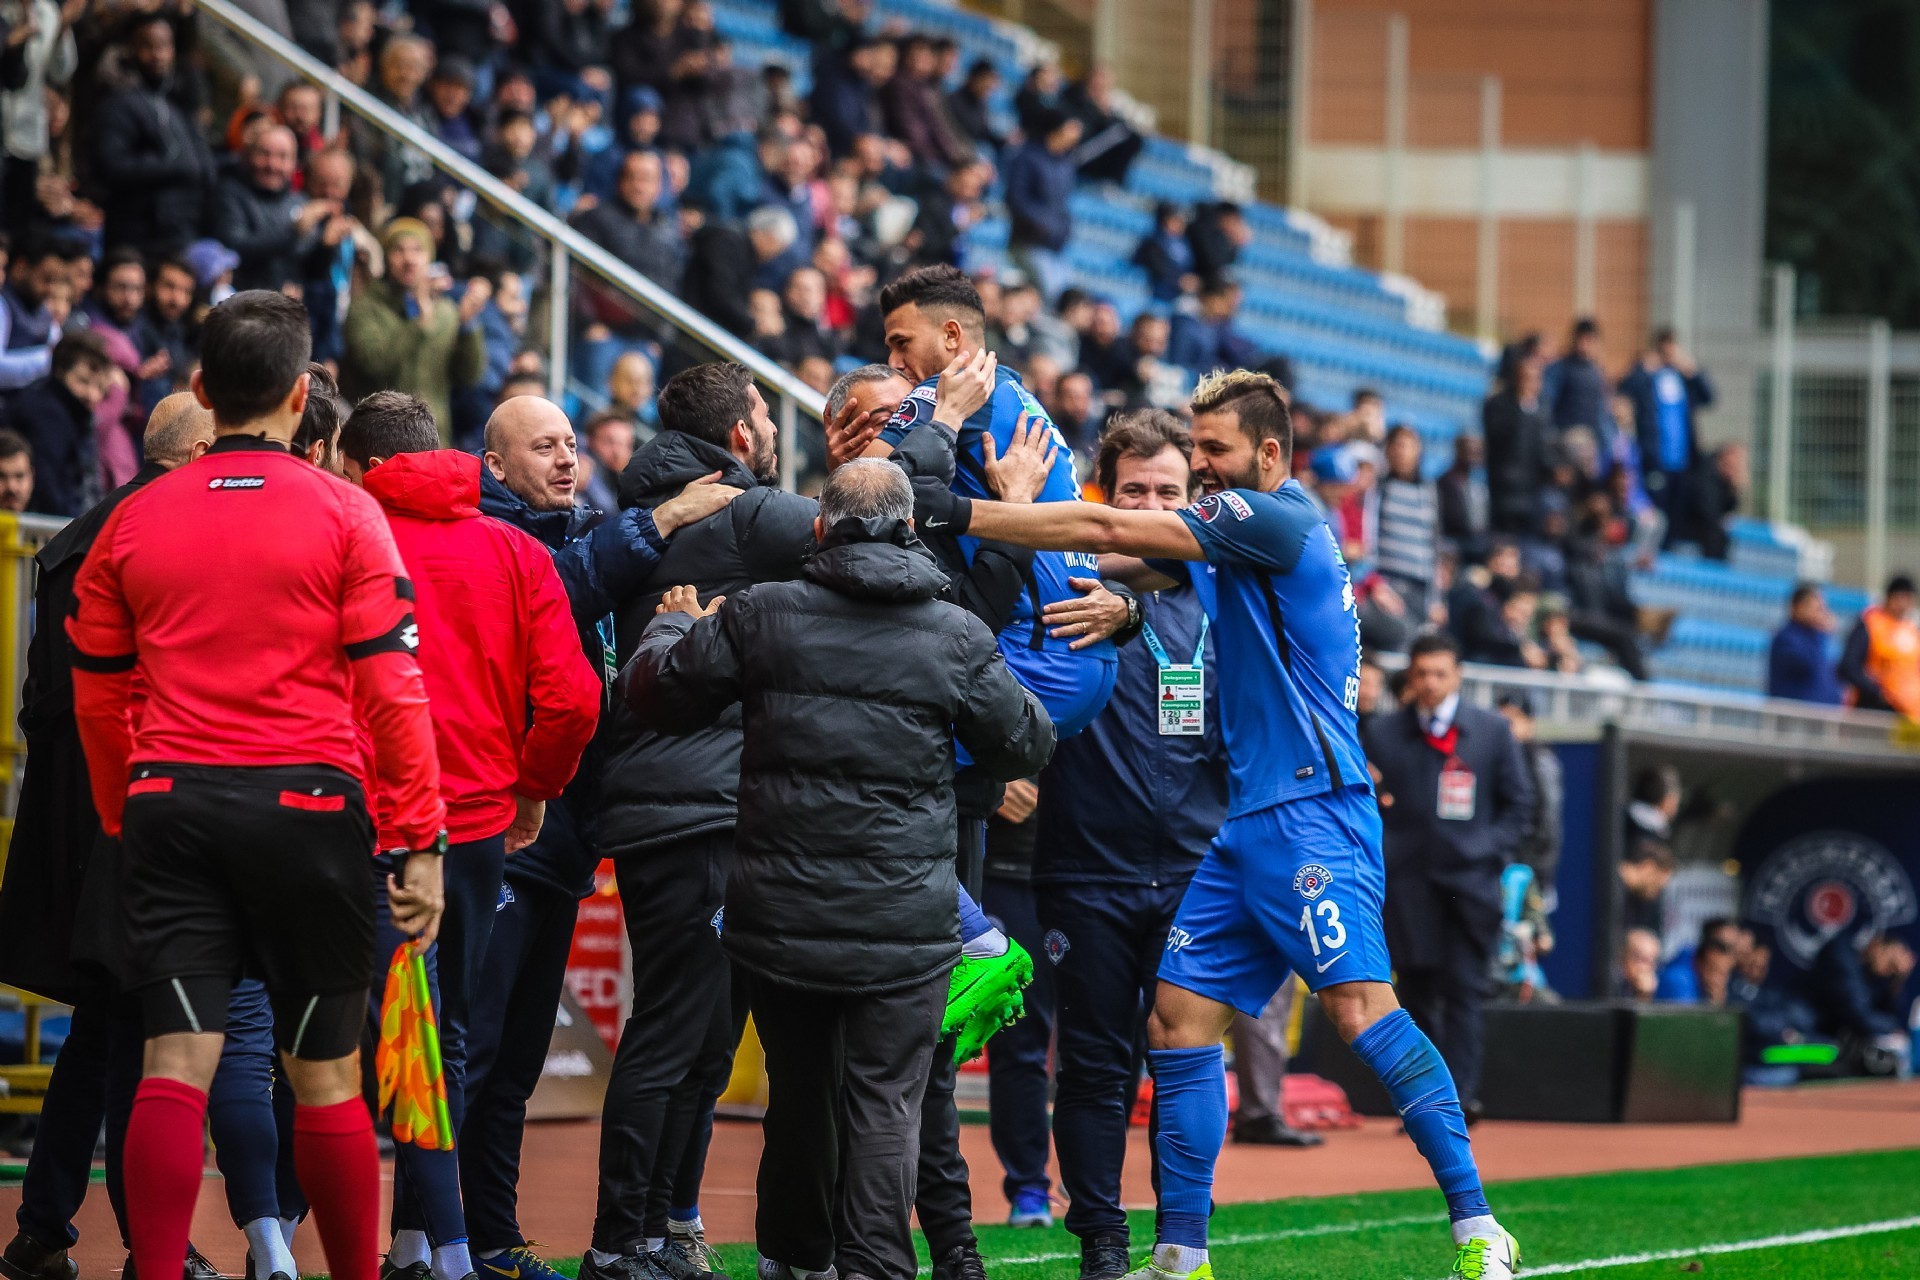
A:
514,700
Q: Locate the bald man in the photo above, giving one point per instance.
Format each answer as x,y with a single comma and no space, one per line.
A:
531,481
50,942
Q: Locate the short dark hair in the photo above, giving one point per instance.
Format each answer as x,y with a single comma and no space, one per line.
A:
1585,326
323,413
35,249
253,348
1367,393
1899,583
1257,400
387,424
114,259
1802,592
1144,433
937,288
707,400
1516,700
173,262
1662,336
1431,643
82,349
1654,784
603,417
13,445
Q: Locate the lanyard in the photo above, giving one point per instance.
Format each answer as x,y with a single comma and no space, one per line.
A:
1160,654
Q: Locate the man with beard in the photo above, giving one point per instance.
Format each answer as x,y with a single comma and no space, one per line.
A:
163,328
148,156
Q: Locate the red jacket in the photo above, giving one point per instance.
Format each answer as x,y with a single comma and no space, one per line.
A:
262,606
513,698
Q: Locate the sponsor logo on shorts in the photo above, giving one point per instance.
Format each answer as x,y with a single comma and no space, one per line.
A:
1178,939
237,482
1056,946
506,897
1311,881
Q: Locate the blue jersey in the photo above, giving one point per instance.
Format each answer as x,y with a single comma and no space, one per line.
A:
1281,601
1024,635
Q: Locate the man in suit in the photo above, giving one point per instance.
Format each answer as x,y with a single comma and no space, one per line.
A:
1461,803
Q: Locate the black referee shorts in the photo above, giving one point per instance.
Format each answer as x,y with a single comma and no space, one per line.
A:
254,871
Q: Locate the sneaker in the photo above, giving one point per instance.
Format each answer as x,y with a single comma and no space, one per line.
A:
27,1259
962,1262
627,1266
768,1269
1272,1131
979,982
517,1263
1104,1256
673,1259
1031,1209
692,1239
197,1268
1488,1258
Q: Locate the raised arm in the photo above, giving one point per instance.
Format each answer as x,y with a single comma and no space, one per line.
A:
1087,526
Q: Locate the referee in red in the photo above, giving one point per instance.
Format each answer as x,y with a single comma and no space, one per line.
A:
232,619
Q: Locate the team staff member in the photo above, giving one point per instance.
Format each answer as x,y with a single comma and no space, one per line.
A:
1462,805
529,481
237,788
1881,662
1126,811
1294,880
502,651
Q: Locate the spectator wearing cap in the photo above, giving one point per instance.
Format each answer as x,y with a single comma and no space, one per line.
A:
259,215
1165,255
632,226
456,121
149,157
1207,341
1040,177
1798,665
402,334
213,266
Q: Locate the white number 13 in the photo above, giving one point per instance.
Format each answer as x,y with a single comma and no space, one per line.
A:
1336,934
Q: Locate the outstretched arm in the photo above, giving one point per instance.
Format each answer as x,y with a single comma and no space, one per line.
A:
1087,526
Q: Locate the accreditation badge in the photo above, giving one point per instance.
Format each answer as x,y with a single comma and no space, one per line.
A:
1455,803
1183,702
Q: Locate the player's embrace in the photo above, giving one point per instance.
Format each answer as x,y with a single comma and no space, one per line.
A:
1295,880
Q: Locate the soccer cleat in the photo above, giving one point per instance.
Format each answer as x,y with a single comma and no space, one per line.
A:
962,1262
691,1237
625,1267
1154,1271
1272,1131
196,1268
1031,1209
27,1259
768,1269
1104,1256
253,1272
1488,1258
517,1263
389,1270
981,982
678,1263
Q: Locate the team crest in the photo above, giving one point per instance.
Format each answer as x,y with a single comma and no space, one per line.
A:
719,921
1311,881
1056,946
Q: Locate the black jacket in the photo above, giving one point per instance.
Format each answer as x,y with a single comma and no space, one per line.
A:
651,246
719,277
258,225
1444,874
154,168
843,877
1519,441
655,788
66,470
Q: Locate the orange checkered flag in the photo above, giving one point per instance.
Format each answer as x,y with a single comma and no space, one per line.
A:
407,1059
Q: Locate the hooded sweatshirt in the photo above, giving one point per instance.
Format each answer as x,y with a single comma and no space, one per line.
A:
514,699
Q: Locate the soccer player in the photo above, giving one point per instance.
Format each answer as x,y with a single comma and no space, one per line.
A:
1295,879
247,833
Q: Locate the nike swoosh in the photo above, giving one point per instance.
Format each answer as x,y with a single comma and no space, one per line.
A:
936,524
1322,968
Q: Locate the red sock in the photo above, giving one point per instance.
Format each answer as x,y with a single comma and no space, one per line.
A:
339,1168
163,1160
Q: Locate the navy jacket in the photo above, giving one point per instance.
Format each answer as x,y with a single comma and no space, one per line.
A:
66,471
1039,184
599,569
1798,666
1846,999
1121,804
1200,346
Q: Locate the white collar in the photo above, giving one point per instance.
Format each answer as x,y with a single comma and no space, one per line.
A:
1441,718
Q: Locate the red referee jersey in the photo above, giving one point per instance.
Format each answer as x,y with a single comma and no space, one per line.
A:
263,603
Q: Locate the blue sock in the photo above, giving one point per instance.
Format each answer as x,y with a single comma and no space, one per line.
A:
973,921
1190,1094
684,1215
1422,1090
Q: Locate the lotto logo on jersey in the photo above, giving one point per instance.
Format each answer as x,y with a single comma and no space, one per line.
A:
1178,939
237,482
1311,881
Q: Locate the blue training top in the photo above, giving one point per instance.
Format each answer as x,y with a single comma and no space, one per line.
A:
1024,638
1281,601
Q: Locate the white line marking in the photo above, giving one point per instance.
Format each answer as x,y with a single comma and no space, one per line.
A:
1820,1236
1252,1237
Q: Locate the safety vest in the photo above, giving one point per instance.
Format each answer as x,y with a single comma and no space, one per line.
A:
1893,659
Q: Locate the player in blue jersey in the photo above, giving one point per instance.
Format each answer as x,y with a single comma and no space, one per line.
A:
1295,880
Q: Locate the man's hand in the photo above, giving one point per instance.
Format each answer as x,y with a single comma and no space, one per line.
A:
700,499
1021,800
850,431
416,899
1097,615
528,817
1023,472
687,600
964,386
312,214
155,365
478,294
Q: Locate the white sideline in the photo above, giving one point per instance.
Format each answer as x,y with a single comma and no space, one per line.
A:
1251,1237
1820,1236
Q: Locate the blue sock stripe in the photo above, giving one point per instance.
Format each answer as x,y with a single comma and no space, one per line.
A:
1422,1090
973,921
1190,1096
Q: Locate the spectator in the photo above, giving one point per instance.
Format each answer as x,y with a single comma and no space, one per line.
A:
1104,350
1463,805
165,327
1646,860
1881,661
1540,850
1037,96
803,304
1207,341
1039,185
302,109
27,326
598,483
1639,965
948,213
118,420
1601,607
16,472
912,108
641,115
150,158
1370,415
402,335
1666,388
1703,972
449,104
846,91
1575,389
1409,524
55,415
790,185
1217,234
726,180
1798,663
1857,988
1519,438
405,63
633,227
776,247
259,215
42,61
630,393
1079,416
1712,493
1165,255
970,106
566,43
1477,612
1108,144
1466,508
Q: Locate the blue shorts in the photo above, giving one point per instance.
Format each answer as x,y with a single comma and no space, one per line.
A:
1298,886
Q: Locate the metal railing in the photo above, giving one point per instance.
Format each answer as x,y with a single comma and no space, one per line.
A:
578,274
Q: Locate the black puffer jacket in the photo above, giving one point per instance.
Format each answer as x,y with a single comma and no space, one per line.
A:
656,789
843,874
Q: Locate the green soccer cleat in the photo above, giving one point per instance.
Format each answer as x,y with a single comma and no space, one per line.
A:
980,983
1152,1270
986,1024
1488,1258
